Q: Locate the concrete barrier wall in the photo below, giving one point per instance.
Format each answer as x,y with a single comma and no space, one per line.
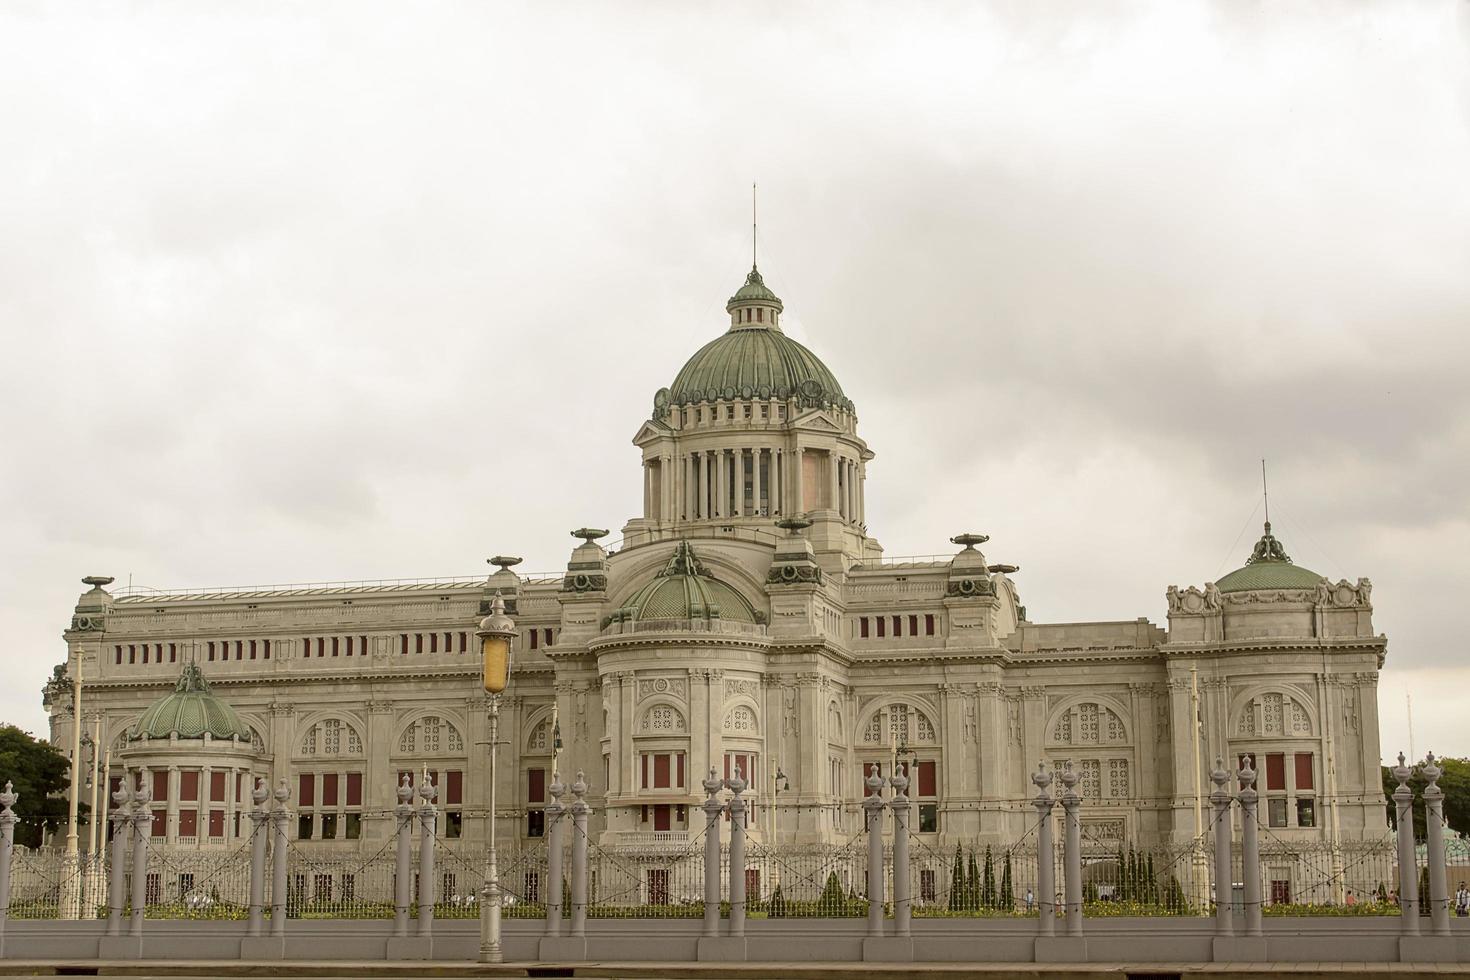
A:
1141,940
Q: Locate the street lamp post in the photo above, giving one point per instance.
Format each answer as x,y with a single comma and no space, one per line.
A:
496,633
778,783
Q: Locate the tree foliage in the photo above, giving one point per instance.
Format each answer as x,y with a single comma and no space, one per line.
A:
39,774
1455,783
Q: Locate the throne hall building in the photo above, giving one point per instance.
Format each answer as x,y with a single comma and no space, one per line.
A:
747,617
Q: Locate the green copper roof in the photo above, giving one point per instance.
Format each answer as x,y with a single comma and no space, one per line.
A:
755,290
684,590
1268,567
191,710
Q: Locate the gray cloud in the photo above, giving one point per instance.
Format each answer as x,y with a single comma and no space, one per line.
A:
337,292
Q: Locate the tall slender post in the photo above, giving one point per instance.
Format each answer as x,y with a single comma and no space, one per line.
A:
1072,851
260,817
7,850
1439,890
555,842
1220,825
1046,884
403,867
1199,866
1403,798
873,824
91,881
71,882
737,853
581,809
118,885
712,810
142,819
281,819
1250,845
428,827
902,899
490,950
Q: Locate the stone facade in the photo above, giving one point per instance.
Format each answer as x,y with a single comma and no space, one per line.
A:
847,659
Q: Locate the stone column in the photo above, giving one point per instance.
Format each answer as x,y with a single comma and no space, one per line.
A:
737,784
428,827
722,486
7,851
1072,851
554,845
902,900
281,819
1403,799
259,830
403,879
117,888
1439,893
171,807
580,811
1046,884
1250,847
873,823
758,484
712,810
798,480
1220,827
737,495
832,498
142,819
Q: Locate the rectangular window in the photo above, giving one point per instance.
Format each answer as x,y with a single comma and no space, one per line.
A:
329,826
548,635
928,818
303,827
1275,771
216,787
1306,812
252,650
321,646
329,789
928,624
239,649
145,653
536,785
363,649
535,823
306,793
863,627
1276,812
188,823
216,823
189,785
454,787
879,622
353,827
266,654
349,647
354,789
464,642
160,824
928,779
533,639
335,646
453,825
433,642
173,653
403,643
118,658
913,624
679,759
418,640
306,646
160,786
133,652
1304,771
661,771
897,626
643,768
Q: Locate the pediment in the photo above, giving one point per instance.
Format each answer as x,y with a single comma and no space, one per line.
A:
651,431
816,421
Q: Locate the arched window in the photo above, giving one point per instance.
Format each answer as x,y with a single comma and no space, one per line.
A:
331,736
1089,723
663,719
900,723
431,735
740,720
1273,714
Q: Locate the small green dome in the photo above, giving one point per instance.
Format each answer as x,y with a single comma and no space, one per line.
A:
756,360
684,590
1268,567
191,710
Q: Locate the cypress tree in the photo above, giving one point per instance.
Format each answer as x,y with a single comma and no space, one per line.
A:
1007,891
1133,895
957,881
987,882
972,885
1151,887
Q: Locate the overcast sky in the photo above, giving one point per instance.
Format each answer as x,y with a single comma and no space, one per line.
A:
304,292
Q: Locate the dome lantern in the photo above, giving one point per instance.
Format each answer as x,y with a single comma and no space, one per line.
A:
1268,567
190,710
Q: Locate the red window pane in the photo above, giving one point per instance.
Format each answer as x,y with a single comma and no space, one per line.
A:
403,643
928,779
160,823
913,624
879,621
354,789
188,823
928,624
266,654
454,787
898,626
661,771
536,785
679,757
216,823
329,789
189,785
217,787
306,793
1304,770
160,786
1275,771
863,627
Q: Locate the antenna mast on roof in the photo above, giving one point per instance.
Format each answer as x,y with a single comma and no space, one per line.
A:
1264,495
752,224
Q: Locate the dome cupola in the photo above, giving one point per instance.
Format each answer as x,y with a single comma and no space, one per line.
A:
191,710
1268,567
684,591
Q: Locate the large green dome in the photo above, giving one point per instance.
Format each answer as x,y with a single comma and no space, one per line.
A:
1268,567
191,710
685,591
756,360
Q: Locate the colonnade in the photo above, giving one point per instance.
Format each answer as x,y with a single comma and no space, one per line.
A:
751,481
